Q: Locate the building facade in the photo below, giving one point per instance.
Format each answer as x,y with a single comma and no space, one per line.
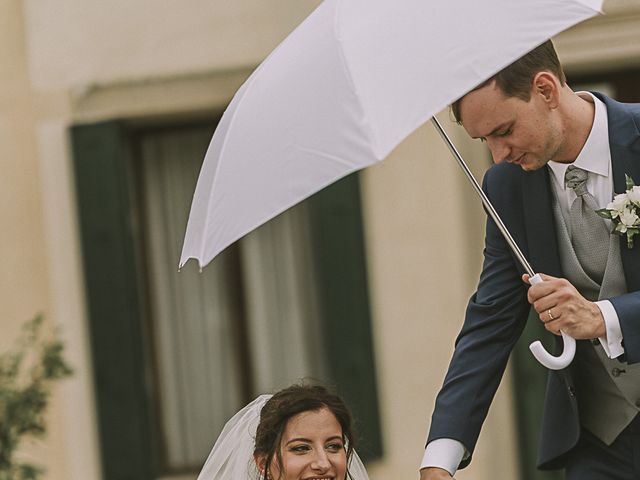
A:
145,82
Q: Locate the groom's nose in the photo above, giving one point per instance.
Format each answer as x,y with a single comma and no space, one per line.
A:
500,151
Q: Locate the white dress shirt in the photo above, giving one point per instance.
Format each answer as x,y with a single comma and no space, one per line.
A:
595,158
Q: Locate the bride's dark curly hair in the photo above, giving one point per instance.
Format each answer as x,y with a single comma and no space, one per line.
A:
288,403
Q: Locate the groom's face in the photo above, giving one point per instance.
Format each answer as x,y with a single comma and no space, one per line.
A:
516,131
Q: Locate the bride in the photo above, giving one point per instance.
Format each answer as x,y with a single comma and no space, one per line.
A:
303,431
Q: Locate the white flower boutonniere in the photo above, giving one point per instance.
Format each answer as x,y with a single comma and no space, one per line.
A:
624,212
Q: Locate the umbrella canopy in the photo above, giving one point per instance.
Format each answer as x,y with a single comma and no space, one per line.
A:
349,84
343,90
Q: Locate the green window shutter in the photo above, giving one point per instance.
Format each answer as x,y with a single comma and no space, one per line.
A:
115,298
101,160
336,220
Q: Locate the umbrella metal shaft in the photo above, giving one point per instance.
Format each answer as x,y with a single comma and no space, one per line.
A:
485,200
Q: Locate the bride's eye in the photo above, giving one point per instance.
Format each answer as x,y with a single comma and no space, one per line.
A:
335,447
299,448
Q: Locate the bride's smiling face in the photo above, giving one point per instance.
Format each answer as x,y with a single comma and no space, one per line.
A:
312,448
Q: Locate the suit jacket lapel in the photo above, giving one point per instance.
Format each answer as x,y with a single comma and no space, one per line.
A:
624,143
542,246
540,227
539,222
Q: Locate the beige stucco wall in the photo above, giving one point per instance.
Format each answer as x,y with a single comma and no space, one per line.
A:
22,276
421,277
63,62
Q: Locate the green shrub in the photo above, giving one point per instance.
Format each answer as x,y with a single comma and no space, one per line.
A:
26,374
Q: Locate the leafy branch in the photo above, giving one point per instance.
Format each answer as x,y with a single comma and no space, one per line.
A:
26,374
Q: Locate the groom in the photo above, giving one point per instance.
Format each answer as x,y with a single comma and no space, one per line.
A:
560,155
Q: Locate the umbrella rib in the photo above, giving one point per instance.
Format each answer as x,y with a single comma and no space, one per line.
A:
348,75
245,89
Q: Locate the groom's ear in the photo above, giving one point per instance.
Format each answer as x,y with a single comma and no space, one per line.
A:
547,86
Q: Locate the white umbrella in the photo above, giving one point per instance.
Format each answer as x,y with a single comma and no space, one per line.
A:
343,90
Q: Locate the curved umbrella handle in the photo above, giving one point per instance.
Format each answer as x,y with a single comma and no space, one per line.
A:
544,357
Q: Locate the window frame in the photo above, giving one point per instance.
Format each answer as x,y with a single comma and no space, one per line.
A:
103,159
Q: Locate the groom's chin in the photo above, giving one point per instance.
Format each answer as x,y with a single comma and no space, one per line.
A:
532,166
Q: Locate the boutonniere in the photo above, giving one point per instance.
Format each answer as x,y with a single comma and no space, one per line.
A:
624,212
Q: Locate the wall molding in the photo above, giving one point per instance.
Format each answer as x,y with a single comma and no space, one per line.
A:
604,43
157,97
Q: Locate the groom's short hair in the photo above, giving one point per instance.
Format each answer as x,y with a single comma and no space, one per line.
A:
515,80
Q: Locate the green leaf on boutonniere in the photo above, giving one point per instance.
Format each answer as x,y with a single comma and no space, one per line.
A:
630,233
629,182
604,213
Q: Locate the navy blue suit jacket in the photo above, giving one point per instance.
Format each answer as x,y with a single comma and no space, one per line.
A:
497,312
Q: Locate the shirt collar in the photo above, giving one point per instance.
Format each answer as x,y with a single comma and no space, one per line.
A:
595,156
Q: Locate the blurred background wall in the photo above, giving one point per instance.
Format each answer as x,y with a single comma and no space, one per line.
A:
100,103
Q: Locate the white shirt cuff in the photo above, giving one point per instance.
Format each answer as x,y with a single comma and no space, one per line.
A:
445,453
612,343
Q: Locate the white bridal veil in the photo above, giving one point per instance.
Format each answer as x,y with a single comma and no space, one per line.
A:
231,457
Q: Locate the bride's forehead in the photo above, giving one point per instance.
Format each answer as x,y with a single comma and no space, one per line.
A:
312,422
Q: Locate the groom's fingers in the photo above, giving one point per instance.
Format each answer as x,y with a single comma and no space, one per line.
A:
544,276
559,287
553,327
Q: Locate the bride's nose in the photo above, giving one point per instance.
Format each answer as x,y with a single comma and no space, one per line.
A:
321,461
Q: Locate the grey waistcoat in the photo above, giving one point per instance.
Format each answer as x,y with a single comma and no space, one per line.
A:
607,390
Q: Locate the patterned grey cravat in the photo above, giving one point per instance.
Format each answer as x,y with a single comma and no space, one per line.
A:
589,232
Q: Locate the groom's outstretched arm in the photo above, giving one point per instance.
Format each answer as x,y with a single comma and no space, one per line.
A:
495,317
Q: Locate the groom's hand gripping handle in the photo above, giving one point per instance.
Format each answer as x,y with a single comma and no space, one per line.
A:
543,305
